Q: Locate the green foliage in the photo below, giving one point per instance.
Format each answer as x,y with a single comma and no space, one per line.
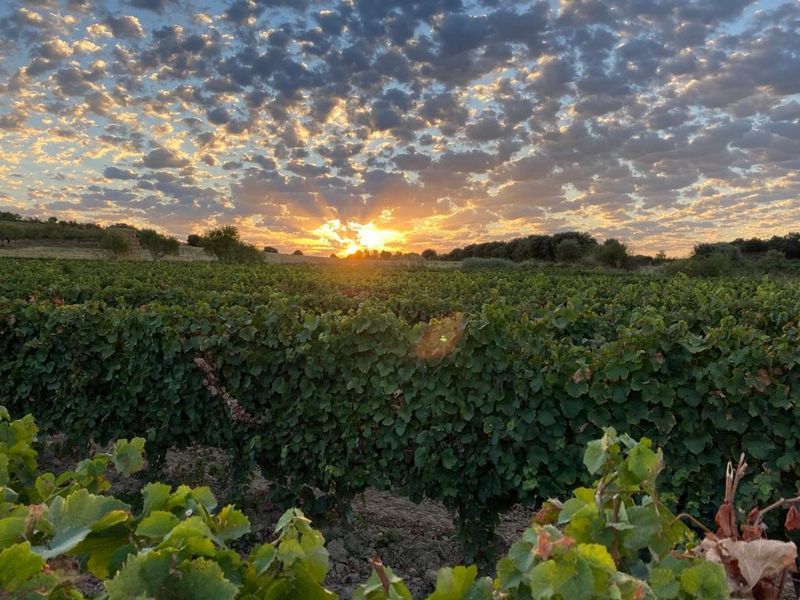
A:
226,244
114,242
176,544
158,245
568,250
328,362
613,253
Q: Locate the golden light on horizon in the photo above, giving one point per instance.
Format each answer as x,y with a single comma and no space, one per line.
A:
352,236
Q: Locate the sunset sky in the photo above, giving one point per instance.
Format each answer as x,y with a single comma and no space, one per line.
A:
405,124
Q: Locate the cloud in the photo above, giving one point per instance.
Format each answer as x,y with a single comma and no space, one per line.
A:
125,26
162,158
112,172
443,117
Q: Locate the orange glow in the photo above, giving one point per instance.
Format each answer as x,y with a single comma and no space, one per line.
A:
352,236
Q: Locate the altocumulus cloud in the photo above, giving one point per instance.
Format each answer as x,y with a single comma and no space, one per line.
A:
659,121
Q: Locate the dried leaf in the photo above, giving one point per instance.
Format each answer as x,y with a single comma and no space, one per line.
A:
751,561
792,519
726,521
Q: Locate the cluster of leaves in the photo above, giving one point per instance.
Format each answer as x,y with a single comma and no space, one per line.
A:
331,361
57,531
226,244
157,244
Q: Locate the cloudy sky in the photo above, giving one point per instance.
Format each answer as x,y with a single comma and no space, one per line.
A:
406,123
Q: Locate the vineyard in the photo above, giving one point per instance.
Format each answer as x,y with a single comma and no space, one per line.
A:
478,389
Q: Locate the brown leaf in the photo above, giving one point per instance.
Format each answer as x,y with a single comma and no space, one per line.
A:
547,514
750,561
792,518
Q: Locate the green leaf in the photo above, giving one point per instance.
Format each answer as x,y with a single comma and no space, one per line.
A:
157,524
128,456
155,497
300,584
706,581
74,517
231,523
596,455
155,575
373,588
18,565
11,530
459,583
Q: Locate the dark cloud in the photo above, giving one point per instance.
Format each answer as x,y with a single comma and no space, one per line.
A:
125,26
162,158
112,172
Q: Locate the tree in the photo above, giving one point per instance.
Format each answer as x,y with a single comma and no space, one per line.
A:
270,250
334,255
226,245
385,255
158,245
297,253
567,250
194,240
429,254
220,241
115,243
613,253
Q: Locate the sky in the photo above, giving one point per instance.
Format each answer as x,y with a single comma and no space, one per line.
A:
406,124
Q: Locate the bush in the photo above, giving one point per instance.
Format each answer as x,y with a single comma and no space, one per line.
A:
115,243
158,245
488,263
270,250
568,250
194,240
732,252
716,264
297,253
429,254
226,245
774,261
613,253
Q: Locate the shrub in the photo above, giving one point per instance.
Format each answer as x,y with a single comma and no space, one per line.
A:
226,245
488,263
568,250
115,243
158,245
270,250
613,253
732,252
297,253
194,240
429,254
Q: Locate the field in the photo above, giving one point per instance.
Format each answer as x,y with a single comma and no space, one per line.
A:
474,389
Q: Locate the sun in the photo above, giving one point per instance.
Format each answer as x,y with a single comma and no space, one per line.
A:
351,236
372,238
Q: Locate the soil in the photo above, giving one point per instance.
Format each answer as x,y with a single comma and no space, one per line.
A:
415,540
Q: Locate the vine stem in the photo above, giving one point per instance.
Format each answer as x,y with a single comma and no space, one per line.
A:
781,502
689,517
377,564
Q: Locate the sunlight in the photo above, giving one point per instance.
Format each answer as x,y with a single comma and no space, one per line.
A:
351,237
